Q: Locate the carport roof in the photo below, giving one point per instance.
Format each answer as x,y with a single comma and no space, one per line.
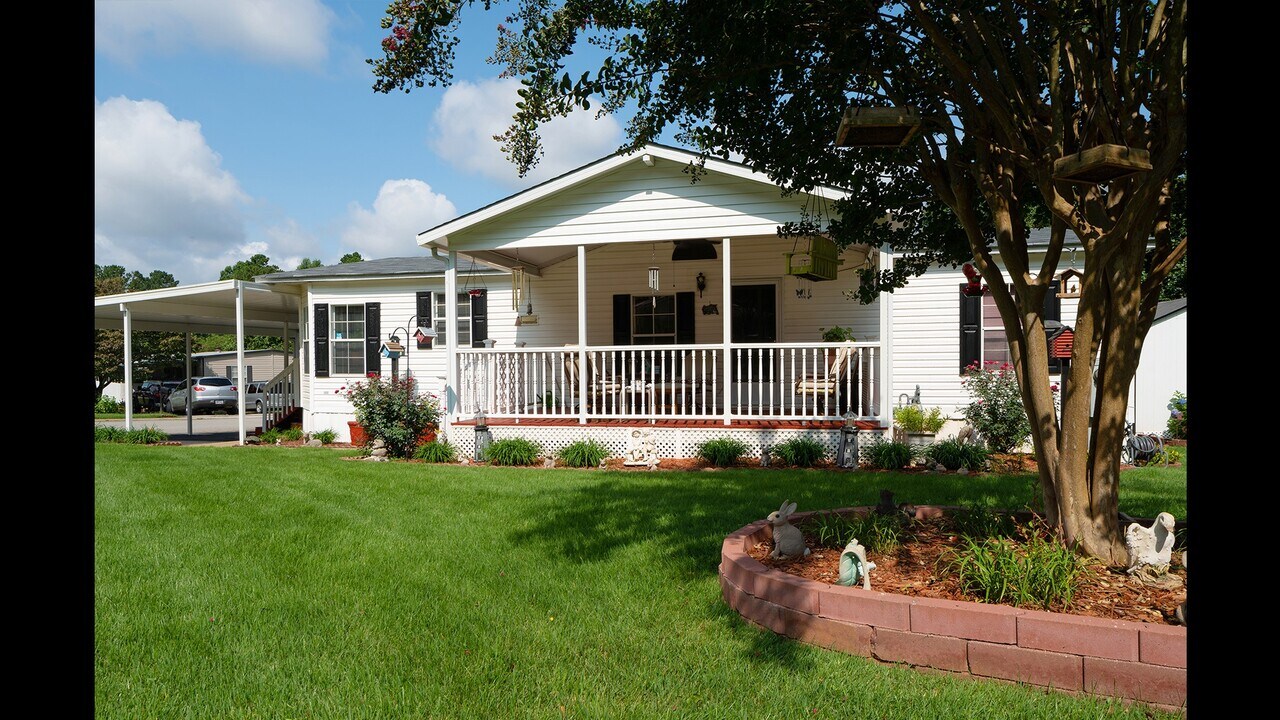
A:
202,308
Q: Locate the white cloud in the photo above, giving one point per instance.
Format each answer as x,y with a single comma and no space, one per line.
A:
470,114
282,31
289,243
402,209
161,198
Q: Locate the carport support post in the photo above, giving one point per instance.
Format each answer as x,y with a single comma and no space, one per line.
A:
885,409
240,355
450,340
128,367
187,358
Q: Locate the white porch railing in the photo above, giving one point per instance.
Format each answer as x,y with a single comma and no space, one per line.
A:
811,381
281,395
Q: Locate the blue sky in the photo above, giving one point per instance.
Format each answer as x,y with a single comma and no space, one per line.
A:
242,126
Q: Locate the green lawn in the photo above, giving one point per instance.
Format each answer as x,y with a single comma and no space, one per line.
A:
286,583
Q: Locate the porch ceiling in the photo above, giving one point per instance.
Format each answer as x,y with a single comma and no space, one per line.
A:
204,307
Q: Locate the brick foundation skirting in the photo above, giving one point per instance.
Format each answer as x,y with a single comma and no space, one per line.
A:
1073,653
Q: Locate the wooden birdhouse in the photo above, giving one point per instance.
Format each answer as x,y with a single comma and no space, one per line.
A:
1100,164
814,258
392,349
878,126
1060,344
1069,283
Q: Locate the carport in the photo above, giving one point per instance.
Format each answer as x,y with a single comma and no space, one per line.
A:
226,306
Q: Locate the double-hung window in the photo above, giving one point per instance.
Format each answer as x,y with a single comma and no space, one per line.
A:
653,320
464,319
346,339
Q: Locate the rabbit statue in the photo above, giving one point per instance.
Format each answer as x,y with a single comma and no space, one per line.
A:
788,541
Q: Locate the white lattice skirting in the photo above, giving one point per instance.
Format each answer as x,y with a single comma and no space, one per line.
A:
671,442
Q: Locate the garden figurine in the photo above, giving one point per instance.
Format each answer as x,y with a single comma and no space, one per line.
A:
1150,548
854,566
788,541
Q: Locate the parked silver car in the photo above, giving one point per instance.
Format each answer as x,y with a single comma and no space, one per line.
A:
253,395
210,393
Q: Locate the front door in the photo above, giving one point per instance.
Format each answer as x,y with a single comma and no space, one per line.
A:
755,322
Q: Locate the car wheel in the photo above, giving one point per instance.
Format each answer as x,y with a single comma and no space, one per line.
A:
257,406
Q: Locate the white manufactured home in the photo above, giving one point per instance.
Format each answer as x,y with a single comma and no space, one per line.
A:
620,296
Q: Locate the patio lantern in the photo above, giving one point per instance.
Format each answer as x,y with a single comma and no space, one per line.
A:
483,437
847,446
878,126
1100,164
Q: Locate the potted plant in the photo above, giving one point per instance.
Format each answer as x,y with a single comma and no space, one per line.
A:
393,411
837,334
920,425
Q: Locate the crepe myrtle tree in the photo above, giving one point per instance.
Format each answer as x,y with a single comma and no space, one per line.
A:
1005,88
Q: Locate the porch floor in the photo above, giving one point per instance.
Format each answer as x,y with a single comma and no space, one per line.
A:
770,424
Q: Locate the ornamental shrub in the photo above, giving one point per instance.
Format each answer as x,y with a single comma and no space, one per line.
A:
890,455
721,452
913,418
437,451
107,404
799,451
512,451
583,453
953,454
1177,428
325,436
394,411
996,411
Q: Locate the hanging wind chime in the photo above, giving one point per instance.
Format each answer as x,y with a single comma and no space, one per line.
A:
654,283
517,287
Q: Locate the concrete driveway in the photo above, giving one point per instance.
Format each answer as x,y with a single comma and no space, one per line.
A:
206,429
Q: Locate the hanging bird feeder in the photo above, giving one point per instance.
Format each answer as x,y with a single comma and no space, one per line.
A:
1069,283
878,126
813,258
1100,164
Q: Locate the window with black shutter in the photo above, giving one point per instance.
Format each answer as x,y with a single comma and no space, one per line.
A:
479,318
970,329
320,332
373,337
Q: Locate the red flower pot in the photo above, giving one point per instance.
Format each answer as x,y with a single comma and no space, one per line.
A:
358,436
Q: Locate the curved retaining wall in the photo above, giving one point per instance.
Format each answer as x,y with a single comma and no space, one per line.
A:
1074,653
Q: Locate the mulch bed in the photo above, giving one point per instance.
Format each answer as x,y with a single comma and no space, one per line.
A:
914,569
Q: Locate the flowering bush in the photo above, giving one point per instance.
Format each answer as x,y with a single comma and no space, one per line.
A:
1177,427
996,411
392,410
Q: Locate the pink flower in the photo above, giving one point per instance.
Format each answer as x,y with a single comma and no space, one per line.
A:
1054,387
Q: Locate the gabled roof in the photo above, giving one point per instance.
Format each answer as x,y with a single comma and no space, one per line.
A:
438,235
412,266
1168,307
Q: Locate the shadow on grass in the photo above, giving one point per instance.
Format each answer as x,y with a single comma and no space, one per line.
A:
688,514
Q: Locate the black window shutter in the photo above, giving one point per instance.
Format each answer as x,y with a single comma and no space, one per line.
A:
622,319
372,338
970,328
320,333
1052,311
684,318
1052,303
425,301
479,318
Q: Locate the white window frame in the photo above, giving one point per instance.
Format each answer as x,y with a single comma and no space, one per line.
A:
465,330
335,341
674,322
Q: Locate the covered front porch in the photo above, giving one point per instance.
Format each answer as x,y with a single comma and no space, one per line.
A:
725,339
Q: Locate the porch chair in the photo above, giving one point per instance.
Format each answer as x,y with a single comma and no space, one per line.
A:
819,386
599,386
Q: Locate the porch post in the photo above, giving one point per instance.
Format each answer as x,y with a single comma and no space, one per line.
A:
128,367
187,364
726,315
451,337
297,373
584,378
885,407
240,356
